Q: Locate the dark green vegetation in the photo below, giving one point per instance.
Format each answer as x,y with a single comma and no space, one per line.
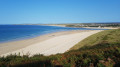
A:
93,25
99,50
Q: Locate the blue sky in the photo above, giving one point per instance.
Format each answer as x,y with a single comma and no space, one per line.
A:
58,11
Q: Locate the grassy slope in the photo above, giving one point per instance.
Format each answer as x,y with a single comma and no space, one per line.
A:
99,50
109,36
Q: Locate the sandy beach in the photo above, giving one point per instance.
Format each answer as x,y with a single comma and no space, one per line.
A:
49,44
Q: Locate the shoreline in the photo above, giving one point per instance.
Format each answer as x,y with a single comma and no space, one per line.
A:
62,25
16,46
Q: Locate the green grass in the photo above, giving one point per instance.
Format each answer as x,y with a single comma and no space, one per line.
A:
108,36
99,50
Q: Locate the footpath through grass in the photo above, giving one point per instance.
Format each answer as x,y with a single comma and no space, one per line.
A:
99,50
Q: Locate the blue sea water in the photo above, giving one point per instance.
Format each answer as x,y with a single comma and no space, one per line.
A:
18,32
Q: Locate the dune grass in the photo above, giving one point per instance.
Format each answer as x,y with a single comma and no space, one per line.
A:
99,50
108,36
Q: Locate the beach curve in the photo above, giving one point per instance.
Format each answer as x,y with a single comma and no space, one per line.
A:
54,45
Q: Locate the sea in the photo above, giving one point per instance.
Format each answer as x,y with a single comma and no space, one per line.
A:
19,32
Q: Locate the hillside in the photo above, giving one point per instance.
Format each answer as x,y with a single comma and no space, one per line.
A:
99,50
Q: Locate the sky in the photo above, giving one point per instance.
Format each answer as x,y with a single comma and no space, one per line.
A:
58,11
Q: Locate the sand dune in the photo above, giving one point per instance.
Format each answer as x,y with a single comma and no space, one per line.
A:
54,45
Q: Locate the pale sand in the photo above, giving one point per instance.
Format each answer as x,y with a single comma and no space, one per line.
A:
54,43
